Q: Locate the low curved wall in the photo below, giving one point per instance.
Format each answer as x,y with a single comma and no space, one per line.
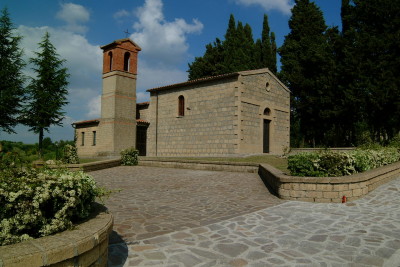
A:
86,245
326,189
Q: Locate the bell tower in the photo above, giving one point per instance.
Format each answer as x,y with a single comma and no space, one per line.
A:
118,100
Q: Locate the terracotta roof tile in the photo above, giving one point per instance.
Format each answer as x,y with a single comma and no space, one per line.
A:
140,121
206,79
86,122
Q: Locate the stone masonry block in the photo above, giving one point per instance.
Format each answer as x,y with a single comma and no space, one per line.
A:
354,186
324,187
308,187
314,194
297,194
340,187
357,192
331,194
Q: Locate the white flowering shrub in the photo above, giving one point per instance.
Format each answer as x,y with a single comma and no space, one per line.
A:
36,203
70,155
129,156
330,164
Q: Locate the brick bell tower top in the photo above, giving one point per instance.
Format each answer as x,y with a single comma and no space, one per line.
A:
120,55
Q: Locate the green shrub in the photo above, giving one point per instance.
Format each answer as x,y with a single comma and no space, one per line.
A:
329,163
129,156
70,155
305,164
37,203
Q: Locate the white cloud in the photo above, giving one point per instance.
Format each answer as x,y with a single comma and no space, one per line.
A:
142,97
94,106
163,42
120,14
74,15
282,5
155,76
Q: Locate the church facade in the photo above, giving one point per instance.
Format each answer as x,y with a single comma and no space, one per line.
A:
245,112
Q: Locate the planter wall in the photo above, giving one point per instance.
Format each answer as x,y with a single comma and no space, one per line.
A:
327,189
86,245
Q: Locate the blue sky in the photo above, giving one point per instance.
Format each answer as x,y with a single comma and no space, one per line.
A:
170,32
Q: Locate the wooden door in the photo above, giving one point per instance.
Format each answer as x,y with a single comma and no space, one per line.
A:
266,136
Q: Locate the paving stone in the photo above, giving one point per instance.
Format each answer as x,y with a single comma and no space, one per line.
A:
232,250
171,217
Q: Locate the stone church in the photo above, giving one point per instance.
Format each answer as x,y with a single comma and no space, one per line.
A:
246,112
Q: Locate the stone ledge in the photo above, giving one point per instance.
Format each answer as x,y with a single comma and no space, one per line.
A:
201,165
86,245
87,167
326,189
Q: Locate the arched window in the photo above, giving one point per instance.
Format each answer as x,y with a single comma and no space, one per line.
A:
181,106
267,112
110,57
126,61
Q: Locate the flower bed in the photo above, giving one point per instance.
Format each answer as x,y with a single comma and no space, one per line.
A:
37,203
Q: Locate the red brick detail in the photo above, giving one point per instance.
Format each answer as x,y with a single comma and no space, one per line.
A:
118,49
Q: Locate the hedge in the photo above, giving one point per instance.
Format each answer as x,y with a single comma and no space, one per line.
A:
332,164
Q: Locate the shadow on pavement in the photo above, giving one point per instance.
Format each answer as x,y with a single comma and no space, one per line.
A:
117,250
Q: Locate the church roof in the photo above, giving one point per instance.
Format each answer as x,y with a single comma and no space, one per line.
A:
86,122
197,81
142,122
218,77
120,41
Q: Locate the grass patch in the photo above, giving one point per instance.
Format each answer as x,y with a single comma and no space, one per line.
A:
88,160
275,161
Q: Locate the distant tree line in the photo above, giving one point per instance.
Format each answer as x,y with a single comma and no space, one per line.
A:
28,152
36,101
345,83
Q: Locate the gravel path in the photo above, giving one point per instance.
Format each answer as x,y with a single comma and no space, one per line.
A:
175,217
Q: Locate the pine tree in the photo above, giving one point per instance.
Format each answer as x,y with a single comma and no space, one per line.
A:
47,92
12,89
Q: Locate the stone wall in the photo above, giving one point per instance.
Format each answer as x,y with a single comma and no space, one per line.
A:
87,148
261,90
327,189
209,126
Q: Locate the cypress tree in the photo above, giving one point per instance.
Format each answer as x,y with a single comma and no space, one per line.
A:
274,50
305,61
266,48
12,89
47,92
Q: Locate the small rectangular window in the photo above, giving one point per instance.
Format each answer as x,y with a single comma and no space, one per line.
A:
83,138
94,138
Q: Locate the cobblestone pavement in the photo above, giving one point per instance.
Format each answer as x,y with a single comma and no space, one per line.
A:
172,217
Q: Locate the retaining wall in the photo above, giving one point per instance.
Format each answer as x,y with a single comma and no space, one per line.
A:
87,167
85,245
326,189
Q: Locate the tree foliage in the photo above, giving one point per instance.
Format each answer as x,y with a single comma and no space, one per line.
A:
237,52
12,88
345,90
306,69
47,92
